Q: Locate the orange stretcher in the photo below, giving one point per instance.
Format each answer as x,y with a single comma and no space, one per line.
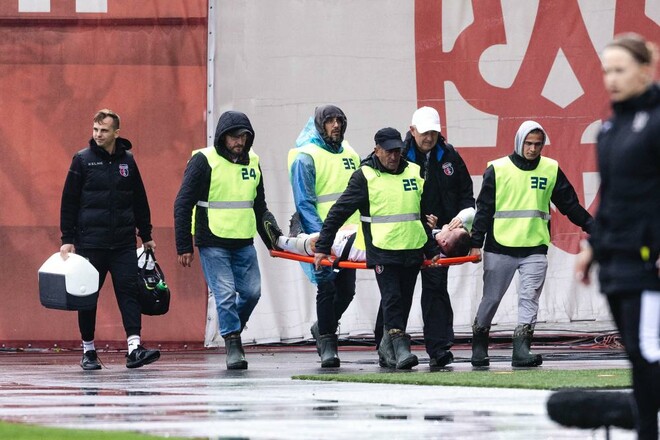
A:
362,265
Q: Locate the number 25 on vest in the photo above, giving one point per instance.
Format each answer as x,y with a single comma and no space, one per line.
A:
409,184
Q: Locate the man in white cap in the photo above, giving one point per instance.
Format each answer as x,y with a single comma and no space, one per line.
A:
448,195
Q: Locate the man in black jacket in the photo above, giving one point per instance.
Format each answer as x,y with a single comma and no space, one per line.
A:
222,201
386,190
448,195
513,214
103,202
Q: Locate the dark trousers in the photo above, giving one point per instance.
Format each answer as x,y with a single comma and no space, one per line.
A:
334,293
437,313
626,309
122,265
397,286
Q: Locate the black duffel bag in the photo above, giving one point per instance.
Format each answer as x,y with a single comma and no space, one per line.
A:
153,293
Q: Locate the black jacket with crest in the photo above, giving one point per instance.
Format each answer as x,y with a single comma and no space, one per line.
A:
626,233
447,182
104,200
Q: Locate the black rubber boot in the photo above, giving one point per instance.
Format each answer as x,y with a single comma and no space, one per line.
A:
235,354
329,357
405,360
480,346
386,358
522,341
316,335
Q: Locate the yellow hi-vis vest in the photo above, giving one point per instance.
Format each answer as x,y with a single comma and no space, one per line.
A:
231,196
333,170
522,202
394,208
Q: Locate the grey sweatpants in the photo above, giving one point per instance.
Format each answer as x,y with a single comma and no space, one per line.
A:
498,272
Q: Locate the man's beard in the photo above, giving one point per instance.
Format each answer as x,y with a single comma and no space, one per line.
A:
333,141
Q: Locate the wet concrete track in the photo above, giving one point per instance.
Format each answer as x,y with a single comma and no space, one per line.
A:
191,394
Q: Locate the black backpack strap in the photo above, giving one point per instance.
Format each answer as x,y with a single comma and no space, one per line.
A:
344,252
157,269
148,255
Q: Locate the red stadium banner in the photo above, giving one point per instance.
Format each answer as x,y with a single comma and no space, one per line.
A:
485,65
557,82
60,62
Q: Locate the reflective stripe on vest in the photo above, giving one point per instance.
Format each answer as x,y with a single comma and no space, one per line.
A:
522,214
333,171
328,198
225,205
390,218
394,209
232,191
522,202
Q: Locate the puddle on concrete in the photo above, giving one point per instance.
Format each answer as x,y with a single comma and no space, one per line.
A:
196,396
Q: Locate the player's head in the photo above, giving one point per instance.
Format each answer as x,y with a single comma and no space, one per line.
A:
453,242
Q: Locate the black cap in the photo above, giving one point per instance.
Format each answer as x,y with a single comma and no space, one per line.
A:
239,131
388,138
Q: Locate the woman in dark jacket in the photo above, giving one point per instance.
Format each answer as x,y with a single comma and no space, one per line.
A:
626,236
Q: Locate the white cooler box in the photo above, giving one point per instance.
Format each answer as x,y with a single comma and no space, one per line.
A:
71,284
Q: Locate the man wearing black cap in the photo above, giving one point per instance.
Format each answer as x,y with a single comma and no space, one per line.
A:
386,190
320,167
222,201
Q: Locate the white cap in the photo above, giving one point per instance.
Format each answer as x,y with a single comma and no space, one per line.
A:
426,119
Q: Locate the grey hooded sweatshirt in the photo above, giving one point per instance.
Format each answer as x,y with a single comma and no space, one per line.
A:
563,197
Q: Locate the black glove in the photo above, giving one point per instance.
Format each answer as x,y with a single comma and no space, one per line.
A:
273,231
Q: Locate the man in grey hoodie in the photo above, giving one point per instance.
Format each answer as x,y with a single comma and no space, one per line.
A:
513,214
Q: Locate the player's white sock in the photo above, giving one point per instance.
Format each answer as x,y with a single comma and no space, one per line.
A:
308,246
133,342
300,244
88,346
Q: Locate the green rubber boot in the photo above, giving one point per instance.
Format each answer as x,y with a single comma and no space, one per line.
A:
522,342
480,346
405,360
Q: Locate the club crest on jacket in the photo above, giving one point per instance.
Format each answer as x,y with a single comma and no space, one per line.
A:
123,169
